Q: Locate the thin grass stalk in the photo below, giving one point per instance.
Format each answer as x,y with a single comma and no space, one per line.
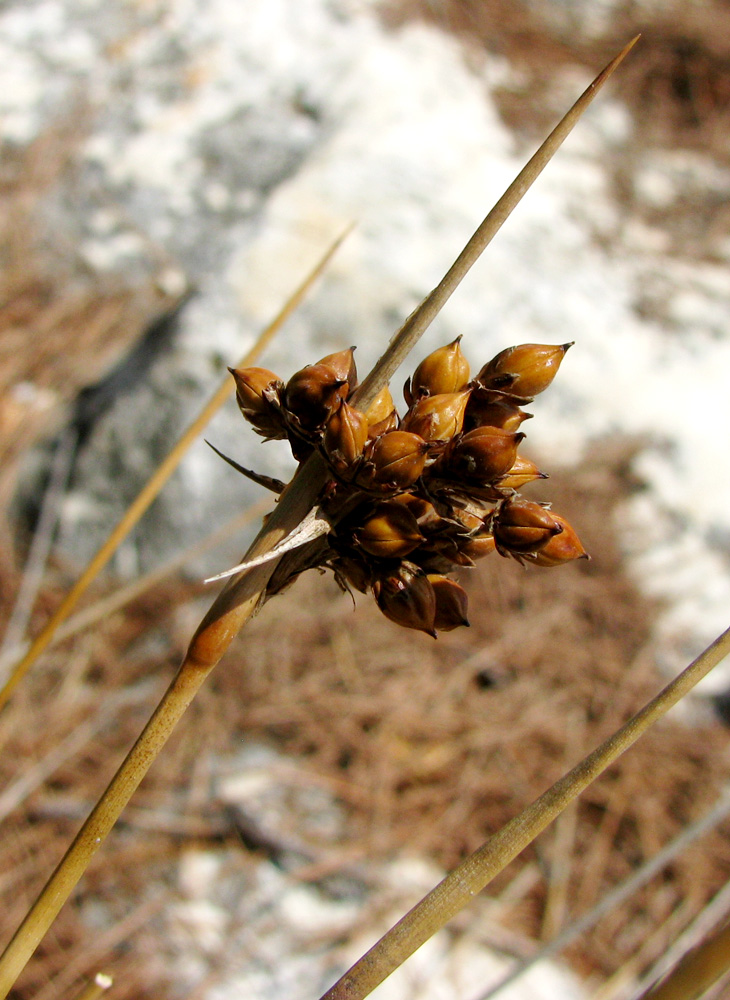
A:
115,601
619,893
158,479
700,969
472,875
242,594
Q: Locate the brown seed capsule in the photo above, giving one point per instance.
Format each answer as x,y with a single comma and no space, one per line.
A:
407,598
342,364
382,415
451,603
423,511
381,407
437,418
395,460
313,394
559,549
520,526
479,546
390,532
489,408
344,437
524,370
255,387
481,456
467,519
522,472
443,371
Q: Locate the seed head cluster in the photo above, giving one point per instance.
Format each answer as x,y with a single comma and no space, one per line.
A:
413,498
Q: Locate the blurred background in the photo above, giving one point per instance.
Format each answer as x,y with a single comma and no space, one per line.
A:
171,170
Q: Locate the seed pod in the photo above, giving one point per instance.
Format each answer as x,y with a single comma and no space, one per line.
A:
342,364
344,437
479,546
481,456
492,409
255,389
406,597
521,526
382,415
437,418
559,549
312,395
381,407
522,472
395,460
451,603
443,371
423,511
467,519
390,532
524,370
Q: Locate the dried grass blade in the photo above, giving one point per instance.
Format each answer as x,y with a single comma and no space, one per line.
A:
619,893
158,479
461,885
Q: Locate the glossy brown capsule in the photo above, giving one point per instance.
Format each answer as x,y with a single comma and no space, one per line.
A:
437,418
313,394
395,460
522,472
407,598
255,390
382,415
525,370
343,366
489,408
520,526
344,437
390,532
452,603
445,370
481,456
479,546
561,548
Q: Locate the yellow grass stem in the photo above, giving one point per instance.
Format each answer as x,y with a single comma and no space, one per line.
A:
472,875
158,479
240,597
122,596
697,971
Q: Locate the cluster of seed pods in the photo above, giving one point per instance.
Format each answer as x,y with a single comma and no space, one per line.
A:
413,498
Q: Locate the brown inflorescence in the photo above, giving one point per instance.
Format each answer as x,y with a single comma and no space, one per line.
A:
413,499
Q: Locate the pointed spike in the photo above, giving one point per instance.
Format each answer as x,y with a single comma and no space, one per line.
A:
268,482
424,314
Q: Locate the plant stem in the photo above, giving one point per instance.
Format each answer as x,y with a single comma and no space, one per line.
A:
235,604
473,874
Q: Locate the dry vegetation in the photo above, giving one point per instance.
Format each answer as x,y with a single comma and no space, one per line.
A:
427,746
